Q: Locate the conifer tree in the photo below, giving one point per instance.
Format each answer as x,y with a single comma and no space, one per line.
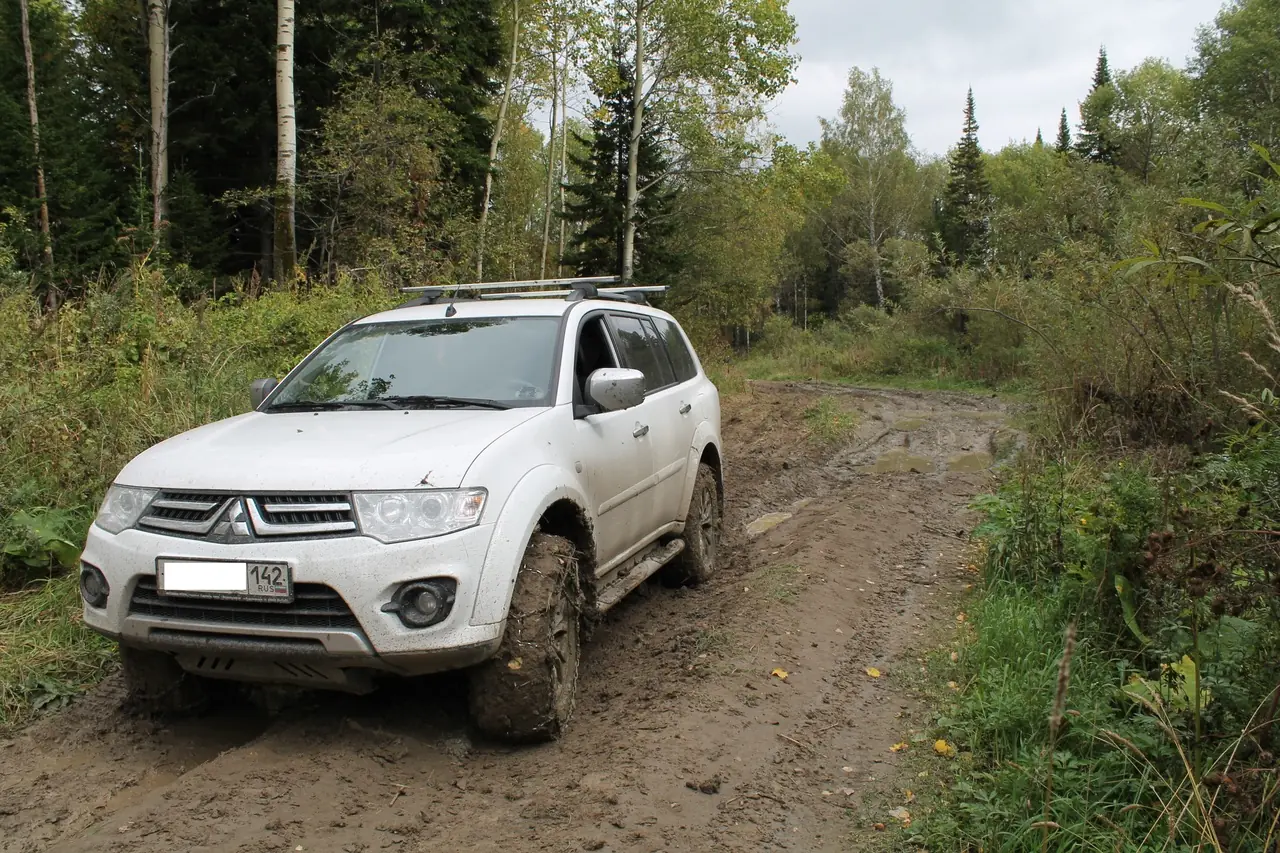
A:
1097,141
966,201
598,202
1064,134
1039,138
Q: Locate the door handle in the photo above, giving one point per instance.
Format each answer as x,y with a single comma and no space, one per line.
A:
685,409
640,431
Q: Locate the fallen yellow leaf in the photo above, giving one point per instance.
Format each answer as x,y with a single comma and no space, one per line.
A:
513,664
944,749
910,795
780,674
953,685
873,672
899,747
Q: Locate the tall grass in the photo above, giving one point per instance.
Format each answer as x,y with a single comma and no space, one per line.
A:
1160,737
46,653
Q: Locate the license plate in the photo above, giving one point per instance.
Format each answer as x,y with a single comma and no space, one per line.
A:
225,579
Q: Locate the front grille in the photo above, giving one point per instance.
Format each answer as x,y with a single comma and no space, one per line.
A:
314,605
183,512
223,517
332,513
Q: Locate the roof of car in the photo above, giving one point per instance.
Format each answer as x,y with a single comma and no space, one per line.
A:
483,308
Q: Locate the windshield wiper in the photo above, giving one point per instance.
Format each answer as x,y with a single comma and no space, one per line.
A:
331,405
434,401
306,406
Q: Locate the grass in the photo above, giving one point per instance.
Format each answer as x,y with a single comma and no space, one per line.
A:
828,422
47,655
780,583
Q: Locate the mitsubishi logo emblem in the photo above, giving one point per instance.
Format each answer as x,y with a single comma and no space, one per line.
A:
234,523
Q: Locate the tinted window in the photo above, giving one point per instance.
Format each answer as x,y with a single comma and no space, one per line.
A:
681,358
505,359
642,351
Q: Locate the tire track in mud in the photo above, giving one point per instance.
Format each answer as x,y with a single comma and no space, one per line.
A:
683,740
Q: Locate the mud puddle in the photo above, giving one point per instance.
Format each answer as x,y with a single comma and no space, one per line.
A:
738,716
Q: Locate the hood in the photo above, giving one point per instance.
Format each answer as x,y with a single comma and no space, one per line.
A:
325,451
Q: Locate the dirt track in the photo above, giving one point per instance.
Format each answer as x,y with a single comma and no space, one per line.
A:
683,740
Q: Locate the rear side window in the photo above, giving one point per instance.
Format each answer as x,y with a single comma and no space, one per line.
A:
681,359
643,351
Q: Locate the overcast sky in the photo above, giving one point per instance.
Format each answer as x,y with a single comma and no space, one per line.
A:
1026,59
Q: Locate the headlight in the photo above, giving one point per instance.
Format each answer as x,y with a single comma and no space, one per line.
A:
122,507
401,516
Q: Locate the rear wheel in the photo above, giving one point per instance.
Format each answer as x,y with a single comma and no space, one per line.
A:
702,529
526,691
155,684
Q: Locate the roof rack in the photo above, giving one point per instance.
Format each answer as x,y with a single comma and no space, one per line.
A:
577,290
502,285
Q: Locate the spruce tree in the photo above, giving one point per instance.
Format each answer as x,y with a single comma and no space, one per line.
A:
1102,73
1039,138
1064,134
597,203
1097,123
966,201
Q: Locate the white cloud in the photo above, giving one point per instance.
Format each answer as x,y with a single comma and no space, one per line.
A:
1026,59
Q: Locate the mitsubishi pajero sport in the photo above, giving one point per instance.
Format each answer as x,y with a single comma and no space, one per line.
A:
456,483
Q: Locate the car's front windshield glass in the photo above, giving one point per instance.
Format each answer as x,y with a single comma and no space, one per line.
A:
503,361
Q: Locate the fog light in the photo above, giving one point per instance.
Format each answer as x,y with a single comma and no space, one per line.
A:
94,588
421,604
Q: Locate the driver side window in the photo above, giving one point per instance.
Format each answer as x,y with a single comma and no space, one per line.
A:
592,353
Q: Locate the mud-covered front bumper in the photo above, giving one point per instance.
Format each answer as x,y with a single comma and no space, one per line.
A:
362,572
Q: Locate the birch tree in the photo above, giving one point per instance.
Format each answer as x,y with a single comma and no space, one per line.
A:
46,249
869,142
286,244
503,105
699,63
158,72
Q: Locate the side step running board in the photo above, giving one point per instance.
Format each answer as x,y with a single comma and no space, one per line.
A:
622,584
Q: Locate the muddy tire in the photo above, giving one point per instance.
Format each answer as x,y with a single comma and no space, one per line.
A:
155,684
525,693
702,532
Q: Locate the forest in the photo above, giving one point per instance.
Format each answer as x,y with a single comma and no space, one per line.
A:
193,194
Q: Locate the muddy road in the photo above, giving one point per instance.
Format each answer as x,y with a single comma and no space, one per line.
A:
844,556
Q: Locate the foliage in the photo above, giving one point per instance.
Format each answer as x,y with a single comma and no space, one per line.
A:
1096,141
887,193
964,214
598,200
47,656
1167,733
1230,62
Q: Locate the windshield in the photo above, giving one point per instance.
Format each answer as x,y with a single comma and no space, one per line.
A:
498,362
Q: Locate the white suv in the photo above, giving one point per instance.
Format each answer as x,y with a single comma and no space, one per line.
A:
458,482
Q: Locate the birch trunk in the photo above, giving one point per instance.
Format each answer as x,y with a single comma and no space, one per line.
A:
286,242
158,67
497,136
551,166
873,238
633,152
564,156
46,249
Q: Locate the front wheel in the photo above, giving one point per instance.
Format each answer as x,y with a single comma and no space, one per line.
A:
525,693
702,530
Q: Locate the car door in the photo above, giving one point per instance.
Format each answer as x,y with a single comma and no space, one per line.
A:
613,451
664,412
689,411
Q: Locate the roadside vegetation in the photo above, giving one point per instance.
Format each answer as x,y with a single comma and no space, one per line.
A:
1116,675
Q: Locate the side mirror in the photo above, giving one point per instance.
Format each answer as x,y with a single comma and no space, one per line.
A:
260,388
614,389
